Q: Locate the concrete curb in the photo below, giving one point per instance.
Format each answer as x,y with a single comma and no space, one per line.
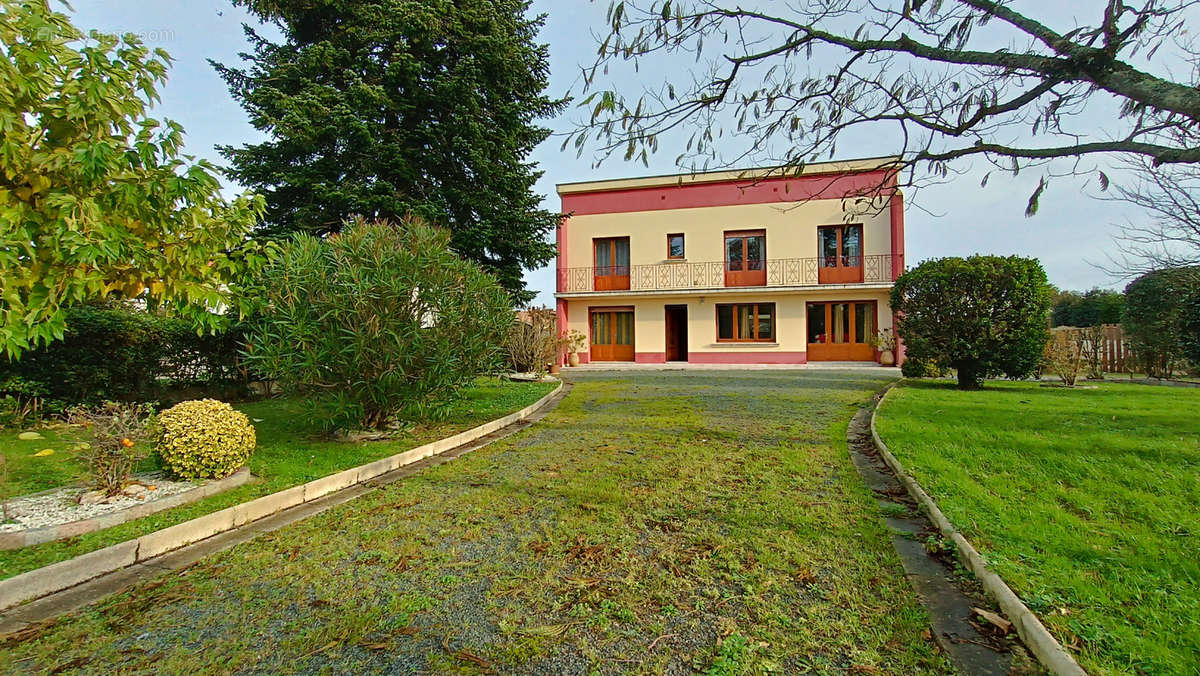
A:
65,574
37,536
1031,630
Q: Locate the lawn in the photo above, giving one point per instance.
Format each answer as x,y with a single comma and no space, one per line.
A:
1086,501
291,450
673,522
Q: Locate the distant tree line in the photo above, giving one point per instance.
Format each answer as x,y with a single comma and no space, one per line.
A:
1088,308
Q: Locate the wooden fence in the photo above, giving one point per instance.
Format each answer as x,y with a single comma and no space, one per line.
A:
1115,354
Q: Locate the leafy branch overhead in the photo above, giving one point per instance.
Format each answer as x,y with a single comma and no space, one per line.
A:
97,198
785,82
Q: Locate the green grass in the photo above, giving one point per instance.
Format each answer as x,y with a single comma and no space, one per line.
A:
29,473
290,451
653,522
1086,501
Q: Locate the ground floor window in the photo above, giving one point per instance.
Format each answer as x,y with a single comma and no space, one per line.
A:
746,322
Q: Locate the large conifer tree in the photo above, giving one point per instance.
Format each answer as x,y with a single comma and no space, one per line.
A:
378,108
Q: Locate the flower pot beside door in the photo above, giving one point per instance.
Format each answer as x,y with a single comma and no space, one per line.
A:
884,342
575,342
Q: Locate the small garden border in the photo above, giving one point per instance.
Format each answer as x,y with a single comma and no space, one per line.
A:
1033,633
62,575
37,536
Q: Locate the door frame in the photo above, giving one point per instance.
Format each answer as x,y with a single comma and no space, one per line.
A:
611,351
744,277
617,278
849,351
683,339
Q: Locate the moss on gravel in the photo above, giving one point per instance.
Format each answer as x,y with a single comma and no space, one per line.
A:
653,523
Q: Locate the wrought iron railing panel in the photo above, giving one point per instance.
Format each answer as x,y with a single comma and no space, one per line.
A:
876,269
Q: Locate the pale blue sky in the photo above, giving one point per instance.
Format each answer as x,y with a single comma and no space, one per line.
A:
1070,230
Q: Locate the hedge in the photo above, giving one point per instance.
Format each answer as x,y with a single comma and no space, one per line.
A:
120,353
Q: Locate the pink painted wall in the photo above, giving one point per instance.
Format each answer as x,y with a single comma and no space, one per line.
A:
748,358
724,193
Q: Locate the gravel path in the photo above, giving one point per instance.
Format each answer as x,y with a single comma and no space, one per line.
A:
61,505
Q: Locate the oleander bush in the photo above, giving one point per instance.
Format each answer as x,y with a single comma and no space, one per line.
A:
379,324
204,439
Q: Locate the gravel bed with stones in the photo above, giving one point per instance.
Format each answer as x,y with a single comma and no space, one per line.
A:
61,505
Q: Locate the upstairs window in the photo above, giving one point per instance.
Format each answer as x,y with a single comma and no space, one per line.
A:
675,247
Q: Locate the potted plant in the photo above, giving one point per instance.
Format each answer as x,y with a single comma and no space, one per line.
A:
576,342
884,342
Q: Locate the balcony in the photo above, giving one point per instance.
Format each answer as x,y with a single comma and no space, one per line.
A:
779,272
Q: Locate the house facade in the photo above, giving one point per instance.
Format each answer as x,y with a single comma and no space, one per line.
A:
734,267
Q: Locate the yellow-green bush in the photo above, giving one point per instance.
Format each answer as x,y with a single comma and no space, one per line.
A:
204,439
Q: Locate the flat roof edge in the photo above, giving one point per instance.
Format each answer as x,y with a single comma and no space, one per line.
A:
750,174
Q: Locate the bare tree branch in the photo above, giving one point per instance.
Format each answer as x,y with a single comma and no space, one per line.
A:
787,81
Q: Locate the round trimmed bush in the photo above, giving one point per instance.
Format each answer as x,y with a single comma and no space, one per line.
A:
204,439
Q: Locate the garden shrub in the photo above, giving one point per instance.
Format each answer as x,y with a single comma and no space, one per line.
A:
922,368
204,439
1154,318
121,353
120,437
377,322
983,316
1064,354
1190,329
530,345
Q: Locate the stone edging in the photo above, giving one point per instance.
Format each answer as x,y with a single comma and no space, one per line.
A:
1031,630
37,536
65,574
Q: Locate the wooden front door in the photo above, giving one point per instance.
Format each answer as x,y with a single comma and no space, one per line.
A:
840,331
746,258
840,260
612,335
677,339
611,271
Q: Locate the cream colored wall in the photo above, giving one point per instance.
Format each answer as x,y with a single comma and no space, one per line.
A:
790,325
791,230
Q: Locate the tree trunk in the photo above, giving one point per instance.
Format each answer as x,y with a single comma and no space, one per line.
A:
969,378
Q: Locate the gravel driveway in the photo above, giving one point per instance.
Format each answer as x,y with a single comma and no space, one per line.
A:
655,522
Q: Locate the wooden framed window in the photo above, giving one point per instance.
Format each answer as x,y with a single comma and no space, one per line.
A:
611,333
611,256
746,323
841,259
746,258
675,247
841,331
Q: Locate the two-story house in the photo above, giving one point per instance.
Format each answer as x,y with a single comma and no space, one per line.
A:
733,267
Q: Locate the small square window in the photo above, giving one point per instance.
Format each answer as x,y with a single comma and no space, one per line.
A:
675,247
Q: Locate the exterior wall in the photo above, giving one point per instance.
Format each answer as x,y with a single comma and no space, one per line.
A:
791,231
705,206
790,346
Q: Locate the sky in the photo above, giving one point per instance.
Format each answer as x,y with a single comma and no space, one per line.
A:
1071,234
